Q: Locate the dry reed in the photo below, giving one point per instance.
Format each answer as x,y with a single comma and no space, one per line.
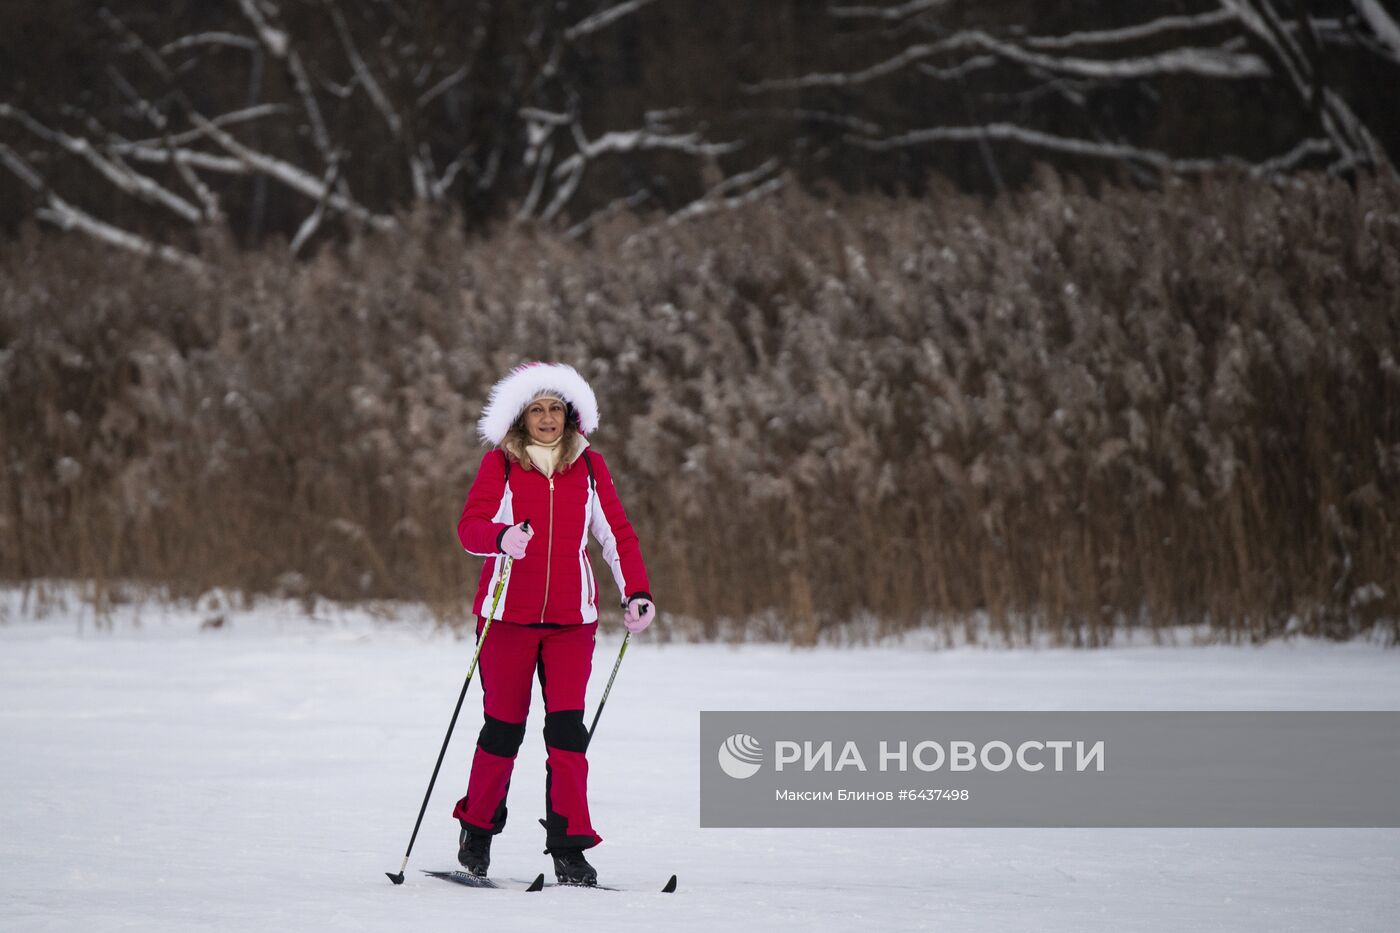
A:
1066,412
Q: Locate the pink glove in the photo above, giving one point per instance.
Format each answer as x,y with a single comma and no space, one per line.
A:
515,538
640,613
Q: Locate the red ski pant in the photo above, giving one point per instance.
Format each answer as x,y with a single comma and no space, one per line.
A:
562,657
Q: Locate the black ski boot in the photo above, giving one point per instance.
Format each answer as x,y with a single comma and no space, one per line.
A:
570,867
474,852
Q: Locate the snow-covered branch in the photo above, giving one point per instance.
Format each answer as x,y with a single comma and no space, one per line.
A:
891,65
604,18
542,156
961,70
494,106
272,38
1382,24
1133,33
763,181
442,87
312,223
278,45
721,197
113,169
1249,41
1349,135
231,118
443,183
367,79
293,177
1070,145
160,154
900,12
66,216
569,171
207,198
643,140
1204,62
617,206
227,39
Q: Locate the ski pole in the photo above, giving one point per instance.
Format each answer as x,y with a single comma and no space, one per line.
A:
608,688
495,601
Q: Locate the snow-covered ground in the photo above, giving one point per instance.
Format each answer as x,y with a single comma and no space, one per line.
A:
265,775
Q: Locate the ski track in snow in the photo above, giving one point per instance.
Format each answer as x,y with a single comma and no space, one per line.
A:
265,775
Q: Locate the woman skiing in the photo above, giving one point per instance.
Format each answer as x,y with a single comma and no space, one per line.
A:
536,497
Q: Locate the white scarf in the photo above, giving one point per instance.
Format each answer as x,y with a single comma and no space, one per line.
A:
545,456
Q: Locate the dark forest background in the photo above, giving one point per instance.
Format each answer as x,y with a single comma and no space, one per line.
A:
169,120
1054,317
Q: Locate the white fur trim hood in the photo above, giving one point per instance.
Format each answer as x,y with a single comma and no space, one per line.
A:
520,386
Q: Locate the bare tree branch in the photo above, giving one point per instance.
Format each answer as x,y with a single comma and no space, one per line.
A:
291,176
367,80
904,59
443,86
210,201
542,156
1386,29
617,206
545,118
422,174
903,11
148,111
568,175
1349,135
1083,147
1131,33
486,180
962,69
604,18
449,174
1290,160
279,46
156,154
718,198
22,169
228,39
65,216
312,223
135,42
721,196
115,171
226,119
1205,62
570,170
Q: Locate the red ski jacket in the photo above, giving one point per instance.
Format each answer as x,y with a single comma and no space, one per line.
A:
554,581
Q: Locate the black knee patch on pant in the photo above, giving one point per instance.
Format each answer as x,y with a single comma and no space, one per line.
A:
564,730
501,738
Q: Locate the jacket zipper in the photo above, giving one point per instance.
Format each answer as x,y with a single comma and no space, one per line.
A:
549,549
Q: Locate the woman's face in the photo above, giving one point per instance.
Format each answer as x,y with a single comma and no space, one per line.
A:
544,419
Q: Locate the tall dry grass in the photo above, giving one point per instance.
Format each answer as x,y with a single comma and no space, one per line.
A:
1062,412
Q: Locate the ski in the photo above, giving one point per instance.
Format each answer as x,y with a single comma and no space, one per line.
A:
468,880
668,888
